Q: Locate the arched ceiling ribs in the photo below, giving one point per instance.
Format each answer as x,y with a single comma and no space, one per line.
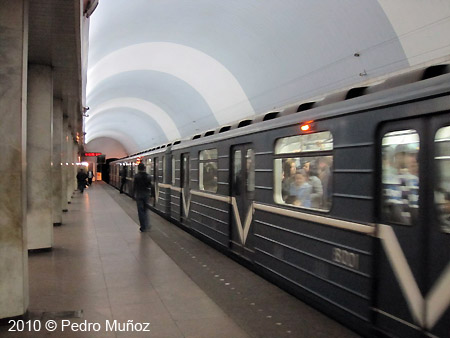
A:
154,112
128,143
219,87
133,123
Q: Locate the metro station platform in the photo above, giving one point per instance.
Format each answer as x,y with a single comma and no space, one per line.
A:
102,273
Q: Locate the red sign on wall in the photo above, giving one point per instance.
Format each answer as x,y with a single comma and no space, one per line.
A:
92,154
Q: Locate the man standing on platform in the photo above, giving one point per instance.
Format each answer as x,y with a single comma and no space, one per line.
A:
123,178
141,189
90,176
81,180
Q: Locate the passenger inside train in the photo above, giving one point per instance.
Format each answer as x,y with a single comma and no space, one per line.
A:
400,177
309,154
442,191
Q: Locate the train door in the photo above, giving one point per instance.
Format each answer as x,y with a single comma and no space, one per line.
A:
185,200
413,269
242,195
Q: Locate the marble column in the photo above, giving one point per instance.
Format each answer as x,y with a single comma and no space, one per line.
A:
67,162
39,157
64,151
13,110
75,167
56,163
71,167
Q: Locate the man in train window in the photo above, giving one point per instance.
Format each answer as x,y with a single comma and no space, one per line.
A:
301,190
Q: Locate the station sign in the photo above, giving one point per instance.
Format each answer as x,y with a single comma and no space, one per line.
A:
92,154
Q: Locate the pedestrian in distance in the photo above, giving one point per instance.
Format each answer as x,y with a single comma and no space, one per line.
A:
90,176
123,179
142,185
81,180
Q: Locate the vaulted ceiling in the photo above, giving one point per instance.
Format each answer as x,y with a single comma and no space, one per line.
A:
160,71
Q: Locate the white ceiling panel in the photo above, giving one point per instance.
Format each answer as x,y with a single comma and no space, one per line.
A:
190,66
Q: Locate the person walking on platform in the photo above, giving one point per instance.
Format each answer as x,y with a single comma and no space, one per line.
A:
123,179
141,190
81,180
90,176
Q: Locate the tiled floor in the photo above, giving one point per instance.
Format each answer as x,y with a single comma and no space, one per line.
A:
102,271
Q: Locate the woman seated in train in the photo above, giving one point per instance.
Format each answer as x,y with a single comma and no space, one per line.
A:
300,190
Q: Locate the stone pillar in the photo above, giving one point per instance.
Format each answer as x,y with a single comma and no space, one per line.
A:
64,199
58,204
71,167
75,167
13,110
76,160
67,162
39,157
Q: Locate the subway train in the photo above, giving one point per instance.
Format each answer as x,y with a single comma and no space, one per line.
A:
343,202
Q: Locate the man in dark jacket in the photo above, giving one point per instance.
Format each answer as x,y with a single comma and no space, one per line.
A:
123,179
141,189
81,180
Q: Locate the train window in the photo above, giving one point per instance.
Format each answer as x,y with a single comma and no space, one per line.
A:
184,173
250,160
208,170
148,166
237,172
131,172
173,170
164,175
442,188
156,171
400,177
302,173
322,141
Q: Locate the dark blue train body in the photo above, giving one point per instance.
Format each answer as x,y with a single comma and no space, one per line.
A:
343,202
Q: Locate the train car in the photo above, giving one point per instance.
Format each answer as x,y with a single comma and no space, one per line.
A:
344,202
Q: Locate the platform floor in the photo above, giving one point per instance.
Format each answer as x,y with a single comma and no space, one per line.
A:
102,269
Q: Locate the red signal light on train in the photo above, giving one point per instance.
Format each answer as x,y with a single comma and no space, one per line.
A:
306,127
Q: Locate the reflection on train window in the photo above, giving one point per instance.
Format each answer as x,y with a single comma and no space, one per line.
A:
400,177
442,189
208,170
173,170
237,172
156,171
300,180
185,170
247,173
250,160
322,141
164,174
130,171
148,166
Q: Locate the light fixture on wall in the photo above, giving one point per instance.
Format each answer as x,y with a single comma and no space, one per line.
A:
84,113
